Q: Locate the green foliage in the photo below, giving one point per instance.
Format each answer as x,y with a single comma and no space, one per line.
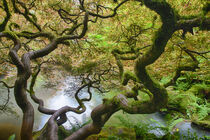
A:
141,129
62,133
110,35
184,82
165,79
169,128
198,88
85,67
125,122
111,94
112,138
191,102
173,123
187,80
12,137
193,136
65,61
99,41
205,123
114,133
198,108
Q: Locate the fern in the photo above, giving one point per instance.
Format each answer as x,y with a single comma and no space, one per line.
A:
170,125
165,80
173,123
196,108
184,82
143,129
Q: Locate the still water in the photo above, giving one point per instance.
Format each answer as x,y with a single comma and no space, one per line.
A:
54,97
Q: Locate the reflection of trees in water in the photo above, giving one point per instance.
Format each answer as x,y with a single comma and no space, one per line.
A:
6,105
72,84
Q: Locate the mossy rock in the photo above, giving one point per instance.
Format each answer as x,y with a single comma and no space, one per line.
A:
178,101
113,133
200,90
181,100
204,124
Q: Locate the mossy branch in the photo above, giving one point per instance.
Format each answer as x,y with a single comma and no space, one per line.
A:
128,76
7,18
161,38
28,16
160,95
187,24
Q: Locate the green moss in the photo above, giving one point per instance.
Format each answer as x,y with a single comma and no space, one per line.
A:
204,123
11,34
113,132
111,93
109,101
128,76
62,133
200,90
7,18
190,103
41,134
37,134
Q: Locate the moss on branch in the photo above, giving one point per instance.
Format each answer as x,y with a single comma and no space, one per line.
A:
128,76
7,18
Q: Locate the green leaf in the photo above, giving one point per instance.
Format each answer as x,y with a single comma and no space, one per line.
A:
98,36
149,25
12,137
174,123
164,80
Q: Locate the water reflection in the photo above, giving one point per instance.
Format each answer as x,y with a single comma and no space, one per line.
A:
2,76
185,127
53,97
64,97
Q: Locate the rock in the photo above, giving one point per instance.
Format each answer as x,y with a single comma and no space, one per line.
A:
204,124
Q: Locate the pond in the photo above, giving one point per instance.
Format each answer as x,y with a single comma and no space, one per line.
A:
54,97
65,96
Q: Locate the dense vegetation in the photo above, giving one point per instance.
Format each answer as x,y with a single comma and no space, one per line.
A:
144,55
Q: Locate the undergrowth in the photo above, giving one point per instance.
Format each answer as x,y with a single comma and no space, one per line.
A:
145,131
